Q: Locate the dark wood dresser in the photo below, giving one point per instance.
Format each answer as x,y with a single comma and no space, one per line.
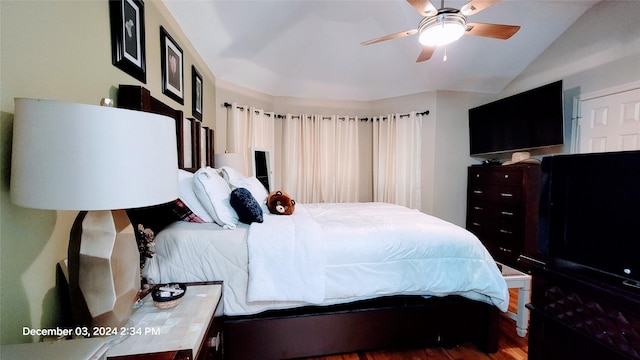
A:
576,314
502,208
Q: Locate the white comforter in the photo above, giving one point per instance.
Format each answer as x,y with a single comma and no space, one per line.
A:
356,251
286,259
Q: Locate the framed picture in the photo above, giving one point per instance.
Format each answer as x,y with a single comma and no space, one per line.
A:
172,67
204,142
196,89
187,144
127,37
210,143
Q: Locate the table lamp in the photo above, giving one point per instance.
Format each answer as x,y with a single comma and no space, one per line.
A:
232,160
94,159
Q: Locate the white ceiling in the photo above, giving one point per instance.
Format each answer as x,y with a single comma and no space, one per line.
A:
311,48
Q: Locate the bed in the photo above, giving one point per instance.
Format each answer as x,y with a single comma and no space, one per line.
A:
331,278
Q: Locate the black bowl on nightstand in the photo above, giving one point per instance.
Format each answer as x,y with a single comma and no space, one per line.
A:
168,296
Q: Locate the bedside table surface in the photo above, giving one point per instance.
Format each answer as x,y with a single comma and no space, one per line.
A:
80,349
182,327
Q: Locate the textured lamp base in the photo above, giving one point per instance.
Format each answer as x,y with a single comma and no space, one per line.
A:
104,273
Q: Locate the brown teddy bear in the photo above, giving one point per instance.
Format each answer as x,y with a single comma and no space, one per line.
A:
280,203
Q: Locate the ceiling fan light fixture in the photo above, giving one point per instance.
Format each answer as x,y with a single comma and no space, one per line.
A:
442,29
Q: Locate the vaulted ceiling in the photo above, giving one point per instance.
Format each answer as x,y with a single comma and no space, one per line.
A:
311,48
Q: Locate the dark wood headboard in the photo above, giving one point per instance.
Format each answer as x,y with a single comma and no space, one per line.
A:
195,144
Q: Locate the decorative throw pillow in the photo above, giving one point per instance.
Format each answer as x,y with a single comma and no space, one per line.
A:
148,221
188,196
256,188
230,174
246,206
213,192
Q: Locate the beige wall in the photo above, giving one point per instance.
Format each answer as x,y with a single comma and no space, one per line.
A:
61,50
599,51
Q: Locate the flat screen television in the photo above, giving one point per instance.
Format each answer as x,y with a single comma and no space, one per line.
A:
529,120
590,214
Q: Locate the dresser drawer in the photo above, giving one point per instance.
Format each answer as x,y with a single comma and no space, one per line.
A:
494,225
495,175
482,193
494,212
477,225
508,234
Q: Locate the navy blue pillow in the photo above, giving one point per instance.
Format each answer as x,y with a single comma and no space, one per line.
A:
246,206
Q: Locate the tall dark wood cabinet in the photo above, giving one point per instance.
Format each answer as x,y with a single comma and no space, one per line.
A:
502,208
579,315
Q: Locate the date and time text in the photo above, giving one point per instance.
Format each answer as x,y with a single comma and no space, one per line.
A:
91,331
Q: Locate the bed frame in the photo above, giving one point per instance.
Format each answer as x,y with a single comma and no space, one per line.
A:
382,323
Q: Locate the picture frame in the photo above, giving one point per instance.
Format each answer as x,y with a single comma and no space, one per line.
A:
202,146
187,144
210,147
196,93
172,62
128,51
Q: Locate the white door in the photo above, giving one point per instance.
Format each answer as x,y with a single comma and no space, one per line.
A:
610,122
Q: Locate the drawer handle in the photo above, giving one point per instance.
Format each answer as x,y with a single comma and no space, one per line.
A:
477,192
477,208
632,283
505,249
508,213
506,195
506,232
506,176
214,342
476,224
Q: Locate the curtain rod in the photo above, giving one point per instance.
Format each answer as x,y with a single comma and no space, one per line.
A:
227,105
426,112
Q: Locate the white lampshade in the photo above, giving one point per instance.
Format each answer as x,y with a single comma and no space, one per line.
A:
232,160
70,156
442,29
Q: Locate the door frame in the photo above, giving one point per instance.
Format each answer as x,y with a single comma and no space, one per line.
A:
577,105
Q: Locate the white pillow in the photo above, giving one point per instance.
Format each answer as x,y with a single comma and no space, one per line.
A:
188,196
214,192
254,186
230,174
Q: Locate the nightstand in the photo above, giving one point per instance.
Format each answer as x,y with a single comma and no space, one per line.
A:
79,349
186,331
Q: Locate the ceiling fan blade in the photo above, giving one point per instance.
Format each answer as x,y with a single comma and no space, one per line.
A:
475,6
496,31
424,7
426,53
389,37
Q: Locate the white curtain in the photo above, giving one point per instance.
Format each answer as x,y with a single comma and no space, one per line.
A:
397,159
320,159
247,129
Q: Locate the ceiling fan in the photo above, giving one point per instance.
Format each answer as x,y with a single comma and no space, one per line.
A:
446,25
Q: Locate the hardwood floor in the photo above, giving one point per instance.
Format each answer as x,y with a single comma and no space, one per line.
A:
510,347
